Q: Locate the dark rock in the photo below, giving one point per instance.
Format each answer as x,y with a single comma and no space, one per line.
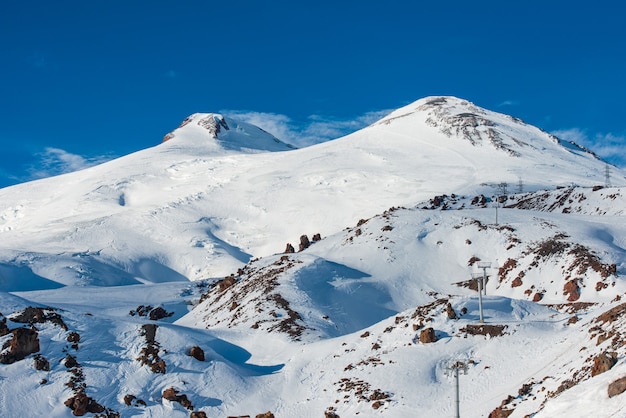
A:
617,387
25,341
317,237
428,336
171,394
80,404
450,311
265,415
32,315
304,243
491,330
197,353
42,363
198,414
159,313
289,249
602,363
70,361
73,337
500,412
4,329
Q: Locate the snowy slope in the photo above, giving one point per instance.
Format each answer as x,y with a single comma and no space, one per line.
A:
207,200
193,231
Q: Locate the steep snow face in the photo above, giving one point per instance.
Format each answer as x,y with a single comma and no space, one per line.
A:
212,129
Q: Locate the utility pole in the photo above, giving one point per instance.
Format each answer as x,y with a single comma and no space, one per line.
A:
479,279
484,265
453,367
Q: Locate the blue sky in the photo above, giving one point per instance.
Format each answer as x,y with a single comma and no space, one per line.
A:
86,81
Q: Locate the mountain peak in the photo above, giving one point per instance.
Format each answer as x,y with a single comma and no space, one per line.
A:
457,118
217,131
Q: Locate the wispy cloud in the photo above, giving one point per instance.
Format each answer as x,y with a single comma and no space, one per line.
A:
314,130
55,161
509,103
608,146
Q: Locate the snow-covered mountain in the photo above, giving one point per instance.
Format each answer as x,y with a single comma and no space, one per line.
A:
333,279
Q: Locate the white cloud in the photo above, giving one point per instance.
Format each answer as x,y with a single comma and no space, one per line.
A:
509,103
610,147
314,130
55,161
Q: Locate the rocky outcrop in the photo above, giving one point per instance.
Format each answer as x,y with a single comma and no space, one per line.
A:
172,395
33,315
80,404
149,355
25,341
304,243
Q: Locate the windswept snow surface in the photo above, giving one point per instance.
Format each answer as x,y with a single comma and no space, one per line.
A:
406,210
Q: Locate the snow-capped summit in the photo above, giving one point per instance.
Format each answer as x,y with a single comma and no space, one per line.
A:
213,129
459,119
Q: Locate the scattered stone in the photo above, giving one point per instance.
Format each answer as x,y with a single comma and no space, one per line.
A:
450,311
602,363
491,330
428,336
268,414
572,290
159,313
42,363
198,414
197,353
617,387
171,394
70,361
304,243
289,249
32,315
80,404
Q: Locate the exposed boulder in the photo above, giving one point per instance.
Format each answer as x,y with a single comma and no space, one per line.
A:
450,311
572,290
428,336
33,315
25,341
617,387
171,394
197,353
41,363
80,404
289,249
4,329
602,363
268,414
304,243
500,412
483,329
198,414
